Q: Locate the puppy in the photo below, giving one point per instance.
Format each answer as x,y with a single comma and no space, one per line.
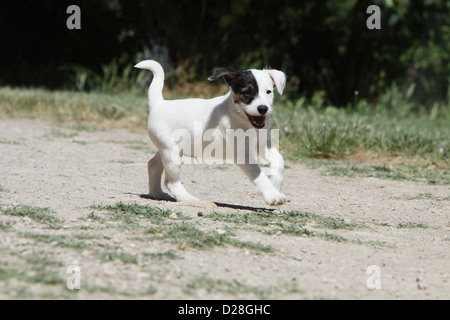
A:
246,107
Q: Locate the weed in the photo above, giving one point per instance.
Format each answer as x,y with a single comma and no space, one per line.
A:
4,226
297,218
425,173
170,255
187,235
59,240
421,196
118,255
127,213
2,141
95,217
412,225
294,223
237,288
40,272
41,215
307,128
59,134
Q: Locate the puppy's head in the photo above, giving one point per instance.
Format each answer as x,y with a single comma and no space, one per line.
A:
252,92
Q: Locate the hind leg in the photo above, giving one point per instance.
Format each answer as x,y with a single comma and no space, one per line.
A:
172,167
155,169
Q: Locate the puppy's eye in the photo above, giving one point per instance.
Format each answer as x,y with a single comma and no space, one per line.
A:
269,92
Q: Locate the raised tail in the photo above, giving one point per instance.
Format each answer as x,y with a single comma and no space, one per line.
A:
156,87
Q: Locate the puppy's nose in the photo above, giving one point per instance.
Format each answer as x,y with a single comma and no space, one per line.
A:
262,109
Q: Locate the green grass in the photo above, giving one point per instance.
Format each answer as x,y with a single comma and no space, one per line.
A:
7,272
40,268
128,215
159,256
422,196
3,141
183,234
237,288
297,224
117,254
419,172
4,226
69,106
186,235
293,223
297,218
428,196
313,129
309,129
41,215
65,241
59,134
40,258
113,255
95,217
412,225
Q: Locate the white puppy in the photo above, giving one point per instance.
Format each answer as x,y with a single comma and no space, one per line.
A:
246,107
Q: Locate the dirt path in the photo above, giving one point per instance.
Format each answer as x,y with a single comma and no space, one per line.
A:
347,234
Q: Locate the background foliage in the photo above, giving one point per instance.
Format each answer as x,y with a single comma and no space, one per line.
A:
323,46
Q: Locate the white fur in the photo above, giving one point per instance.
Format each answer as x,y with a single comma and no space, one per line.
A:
166,116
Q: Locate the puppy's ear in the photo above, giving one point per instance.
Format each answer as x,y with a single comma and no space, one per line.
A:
228,74
278,79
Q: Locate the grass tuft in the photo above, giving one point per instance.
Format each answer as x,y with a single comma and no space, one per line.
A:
41,215
237,288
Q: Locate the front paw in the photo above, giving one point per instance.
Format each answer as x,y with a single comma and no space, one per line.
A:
275,198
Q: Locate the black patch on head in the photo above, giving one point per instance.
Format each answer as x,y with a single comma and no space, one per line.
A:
245,88
243,84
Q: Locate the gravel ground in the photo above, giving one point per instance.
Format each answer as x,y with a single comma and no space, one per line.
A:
367,238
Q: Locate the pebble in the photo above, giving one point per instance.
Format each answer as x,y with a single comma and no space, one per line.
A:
221,232
173,216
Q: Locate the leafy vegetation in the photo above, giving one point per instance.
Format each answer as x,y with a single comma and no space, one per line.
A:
41,215
322,45
308,128
237,288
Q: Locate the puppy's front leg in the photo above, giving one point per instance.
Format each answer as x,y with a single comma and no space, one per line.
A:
263,185
269,153
276,168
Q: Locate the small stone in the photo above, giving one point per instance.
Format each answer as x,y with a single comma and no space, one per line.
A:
421,287
221,232
173,216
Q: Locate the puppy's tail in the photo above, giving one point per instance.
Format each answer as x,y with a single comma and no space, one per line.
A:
156,87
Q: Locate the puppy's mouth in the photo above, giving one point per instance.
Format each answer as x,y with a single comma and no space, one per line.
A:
257,121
